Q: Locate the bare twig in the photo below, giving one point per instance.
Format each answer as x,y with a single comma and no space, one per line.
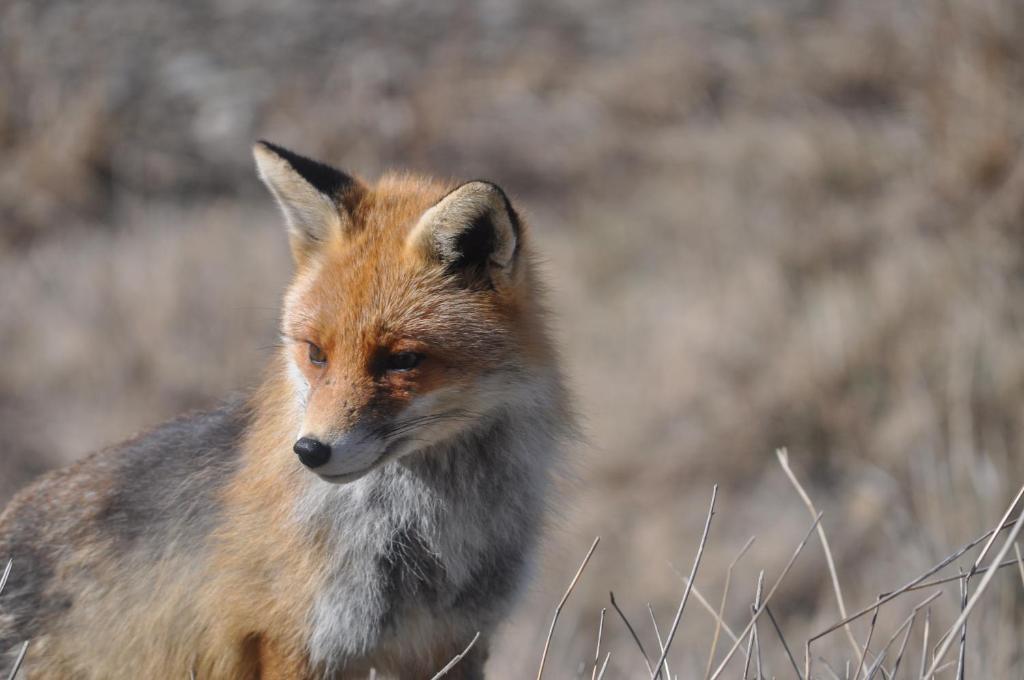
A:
17,662
912,585
963,631
558,609
753,631
750,648
995,532
876,666
632,632
457,658
782,638
771,592
686,591
657,634
7,573
758,592
903,647
707,605
710,609
966,581
604,666
783,457
908,624
597,652
961,576
721,605
962,619
1020,562
924,640
867,643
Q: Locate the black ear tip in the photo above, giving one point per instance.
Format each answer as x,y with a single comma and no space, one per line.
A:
270,146
324,178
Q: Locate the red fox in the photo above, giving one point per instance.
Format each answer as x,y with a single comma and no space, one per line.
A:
374,504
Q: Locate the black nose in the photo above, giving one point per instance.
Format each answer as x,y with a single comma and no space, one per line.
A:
312,452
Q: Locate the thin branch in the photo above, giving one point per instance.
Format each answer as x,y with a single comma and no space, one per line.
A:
7,573
962,619
709,609
903,648
966,582
782,638
457,658
750,648
707,605
867,643
754,635
604,666
912,585
632,632
908,624
783,457
657,634
1020,562
689,586
876,666
924,641
558,609
753,631
1002,521
961,576
771,592
597,652
721,605
963,631
17,662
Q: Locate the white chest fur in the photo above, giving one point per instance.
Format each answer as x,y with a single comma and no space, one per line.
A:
435,544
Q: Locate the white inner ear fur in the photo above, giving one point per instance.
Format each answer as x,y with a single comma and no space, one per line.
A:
438,228
310,215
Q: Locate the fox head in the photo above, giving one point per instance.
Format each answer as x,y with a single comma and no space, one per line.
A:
412,316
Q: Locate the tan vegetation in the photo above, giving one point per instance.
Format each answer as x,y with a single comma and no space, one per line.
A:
786,223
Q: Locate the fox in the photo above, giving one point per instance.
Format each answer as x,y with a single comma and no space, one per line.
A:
372,506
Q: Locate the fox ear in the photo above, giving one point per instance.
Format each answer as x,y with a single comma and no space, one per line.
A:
473,232
311,195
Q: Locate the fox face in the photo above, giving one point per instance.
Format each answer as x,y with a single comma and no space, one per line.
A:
410,317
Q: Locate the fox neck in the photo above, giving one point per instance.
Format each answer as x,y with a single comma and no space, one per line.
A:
449,529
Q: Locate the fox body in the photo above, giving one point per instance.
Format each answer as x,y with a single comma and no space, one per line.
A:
374,504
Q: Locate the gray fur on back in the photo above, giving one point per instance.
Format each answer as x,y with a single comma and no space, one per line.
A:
152,494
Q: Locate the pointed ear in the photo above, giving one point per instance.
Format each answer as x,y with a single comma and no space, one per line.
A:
473,232
311,195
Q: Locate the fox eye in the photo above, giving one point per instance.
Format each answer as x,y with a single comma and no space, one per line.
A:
317,356
404,361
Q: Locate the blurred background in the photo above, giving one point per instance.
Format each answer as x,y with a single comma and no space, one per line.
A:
787,223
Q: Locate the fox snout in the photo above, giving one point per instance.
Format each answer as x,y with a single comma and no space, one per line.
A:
347,457
312,452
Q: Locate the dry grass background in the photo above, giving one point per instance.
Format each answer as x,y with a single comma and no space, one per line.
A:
787,223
